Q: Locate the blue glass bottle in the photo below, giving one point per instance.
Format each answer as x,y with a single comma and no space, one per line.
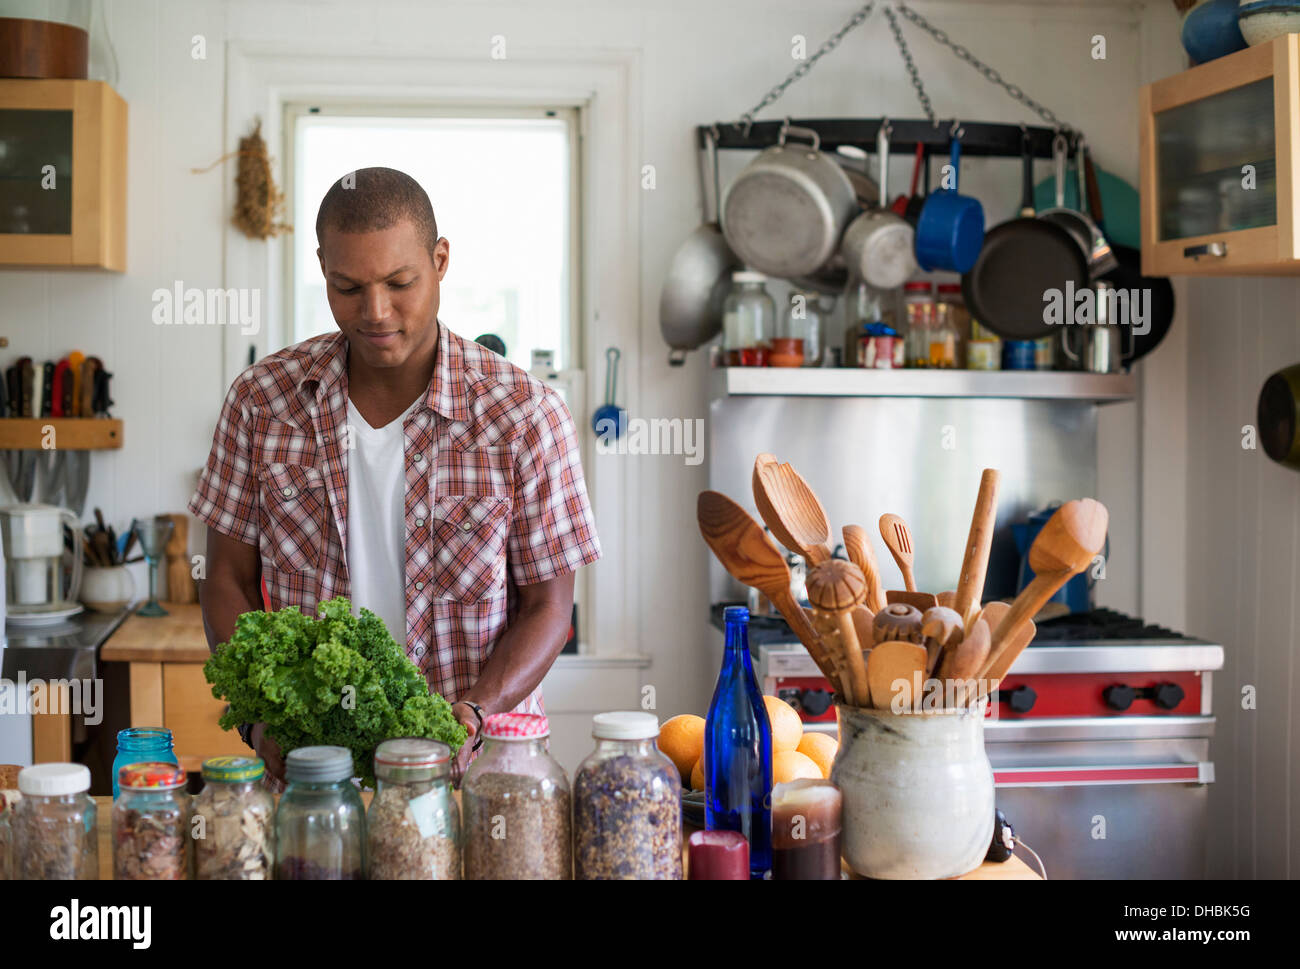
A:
738,749
139,745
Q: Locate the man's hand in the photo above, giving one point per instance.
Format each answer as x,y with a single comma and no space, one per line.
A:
466,716
268,750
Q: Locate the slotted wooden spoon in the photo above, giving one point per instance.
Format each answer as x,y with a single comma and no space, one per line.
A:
899,542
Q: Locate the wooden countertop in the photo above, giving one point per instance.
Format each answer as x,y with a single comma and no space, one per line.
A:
1011,870
174,638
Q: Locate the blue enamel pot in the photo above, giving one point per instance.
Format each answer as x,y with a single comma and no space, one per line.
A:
950,231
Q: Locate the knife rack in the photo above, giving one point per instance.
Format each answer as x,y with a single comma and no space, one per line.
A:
69,433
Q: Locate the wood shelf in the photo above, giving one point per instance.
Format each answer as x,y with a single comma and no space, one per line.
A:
70,433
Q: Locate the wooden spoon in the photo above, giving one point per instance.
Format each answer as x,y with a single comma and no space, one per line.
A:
942,631
749,555
1063,549
798,519
860,553
890,662
920,600
975,563
835,587
899,541
946,599
965,661
991,677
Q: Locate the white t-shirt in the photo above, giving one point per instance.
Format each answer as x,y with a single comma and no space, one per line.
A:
377,519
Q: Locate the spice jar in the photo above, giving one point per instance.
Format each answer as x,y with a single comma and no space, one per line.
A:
516,801
142,745
413,824
233,817
748,321
151,819
627,811
918,307
53,826
320,825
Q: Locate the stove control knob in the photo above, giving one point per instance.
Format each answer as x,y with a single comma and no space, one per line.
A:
792,696
1119,697
814,702
1021,699
1169,695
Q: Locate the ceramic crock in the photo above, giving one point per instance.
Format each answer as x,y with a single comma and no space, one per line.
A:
918,791
107,588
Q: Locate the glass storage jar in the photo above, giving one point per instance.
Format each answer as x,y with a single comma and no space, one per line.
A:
804,319
53,825
233,818
627,810
413,825
516,803
918,306
140,745
8,802
950,303
320,825
748,321
151,824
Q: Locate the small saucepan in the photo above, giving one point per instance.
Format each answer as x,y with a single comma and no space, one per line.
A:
951,228
878,244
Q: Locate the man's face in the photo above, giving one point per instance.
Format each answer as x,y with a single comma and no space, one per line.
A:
382,288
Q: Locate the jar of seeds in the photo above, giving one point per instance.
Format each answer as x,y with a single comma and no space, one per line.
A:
53,824
516,801
627,812
232,821
413,824
151,824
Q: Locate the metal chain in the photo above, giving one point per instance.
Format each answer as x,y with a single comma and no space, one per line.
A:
989,73
831,43
911,66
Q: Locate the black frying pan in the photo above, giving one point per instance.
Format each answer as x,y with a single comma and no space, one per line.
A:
1020,261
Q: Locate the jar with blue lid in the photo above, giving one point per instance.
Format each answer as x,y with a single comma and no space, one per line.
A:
233,821
141,745
320,825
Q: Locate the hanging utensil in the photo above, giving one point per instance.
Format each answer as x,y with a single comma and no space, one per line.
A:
690,301
909,205
950,230
609,419
1096,250
878,245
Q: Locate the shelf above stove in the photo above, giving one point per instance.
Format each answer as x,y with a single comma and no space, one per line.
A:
857,382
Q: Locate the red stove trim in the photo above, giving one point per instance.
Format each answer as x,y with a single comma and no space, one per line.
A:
1080,694
1201,773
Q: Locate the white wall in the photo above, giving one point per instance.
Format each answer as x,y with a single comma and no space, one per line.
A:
698,62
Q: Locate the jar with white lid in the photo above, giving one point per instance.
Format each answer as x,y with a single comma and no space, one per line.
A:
54,832
627,810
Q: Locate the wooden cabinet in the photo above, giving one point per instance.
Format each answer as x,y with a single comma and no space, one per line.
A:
1220,155
62,174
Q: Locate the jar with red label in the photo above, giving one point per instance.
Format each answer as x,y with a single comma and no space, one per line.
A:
748,321
151,824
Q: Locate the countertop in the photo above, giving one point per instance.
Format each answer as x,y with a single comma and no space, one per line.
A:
63,650
1011,870
175,638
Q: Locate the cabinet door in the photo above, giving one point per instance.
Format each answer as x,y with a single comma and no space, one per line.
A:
1218,165
190,712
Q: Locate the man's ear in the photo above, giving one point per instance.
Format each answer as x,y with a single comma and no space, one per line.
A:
320,255
441,257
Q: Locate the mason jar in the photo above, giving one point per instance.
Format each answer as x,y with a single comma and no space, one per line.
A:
516,801
151,824
320,825
142,745
233,822
54,825
413,825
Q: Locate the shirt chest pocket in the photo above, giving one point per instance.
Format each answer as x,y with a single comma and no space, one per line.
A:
295,512
469,546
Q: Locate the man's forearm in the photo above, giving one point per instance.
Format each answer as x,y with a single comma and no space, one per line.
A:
222,602
522,657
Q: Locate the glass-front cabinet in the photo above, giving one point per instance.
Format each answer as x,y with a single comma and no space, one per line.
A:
62,174
1220,148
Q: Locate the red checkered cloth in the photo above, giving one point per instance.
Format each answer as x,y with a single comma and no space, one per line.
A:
495,495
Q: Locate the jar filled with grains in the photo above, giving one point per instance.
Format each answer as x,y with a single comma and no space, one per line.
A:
320,825
516,801
413,825
232,821
627,813
151,824
53,824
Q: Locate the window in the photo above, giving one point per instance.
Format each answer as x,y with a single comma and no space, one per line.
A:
503,183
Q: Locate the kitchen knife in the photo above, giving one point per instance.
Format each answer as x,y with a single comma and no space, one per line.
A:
47,389
78,480
27,458
101,402
60,378
72,406
86,405
26,377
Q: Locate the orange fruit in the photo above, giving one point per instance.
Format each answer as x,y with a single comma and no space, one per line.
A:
697,775
821,749
681,739
787,728
790,765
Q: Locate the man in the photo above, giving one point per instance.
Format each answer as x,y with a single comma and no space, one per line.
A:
393,462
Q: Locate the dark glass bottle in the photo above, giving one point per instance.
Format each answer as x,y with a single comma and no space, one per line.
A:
738,749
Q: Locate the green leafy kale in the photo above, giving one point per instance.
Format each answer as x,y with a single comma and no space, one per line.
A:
293,672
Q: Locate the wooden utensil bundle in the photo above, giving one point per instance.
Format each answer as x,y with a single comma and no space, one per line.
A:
901,649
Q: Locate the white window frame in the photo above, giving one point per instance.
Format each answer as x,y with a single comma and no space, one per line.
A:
604,87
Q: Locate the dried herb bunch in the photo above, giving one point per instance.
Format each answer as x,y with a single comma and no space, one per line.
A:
259,202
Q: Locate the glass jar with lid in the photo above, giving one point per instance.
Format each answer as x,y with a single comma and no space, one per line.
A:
142,745
320,825
151,824
233,822
413,825
805,319
918,306
627,811
950,303
53,825
516,804
748,320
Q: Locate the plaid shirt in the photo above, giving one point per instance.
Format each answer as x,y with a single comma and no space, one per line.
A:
494,494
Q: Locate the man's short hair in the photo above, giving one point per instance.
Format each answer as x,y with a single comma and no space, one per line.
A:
370,199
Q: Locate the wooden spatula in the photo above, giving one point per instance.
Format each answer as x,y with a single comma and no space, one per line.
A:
790,509
966,660
890,662
942,631
921,600
858,547
995,674
946,599
899,542
975,563
749,555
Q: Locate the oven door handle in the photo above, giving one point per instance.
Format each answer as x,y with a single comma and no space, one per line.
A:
1098,775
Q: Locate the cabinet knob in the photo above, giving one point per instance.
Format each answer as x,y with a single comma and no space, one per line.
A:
1216,249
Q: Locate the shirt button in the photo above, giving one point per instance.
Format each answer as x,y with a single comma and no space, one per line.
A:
419,586
419,523
287,492
466,526
419,458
